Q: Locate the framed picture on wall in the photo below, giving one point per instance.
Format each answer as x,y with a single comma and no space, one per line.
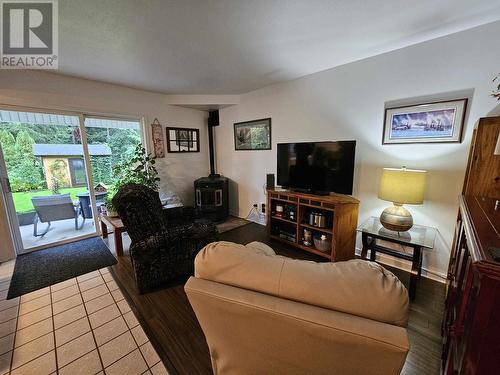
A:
436,122
252,135
183,140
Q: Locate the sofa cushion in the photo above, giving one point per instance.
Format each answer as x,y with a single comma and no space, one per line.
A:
356,287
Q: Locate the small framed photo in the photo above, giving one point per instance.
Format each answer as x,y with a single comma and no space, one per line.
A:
252,135
436,122
183,140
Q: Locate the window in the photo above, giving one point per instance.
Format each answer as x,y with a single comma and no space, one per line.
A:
77,171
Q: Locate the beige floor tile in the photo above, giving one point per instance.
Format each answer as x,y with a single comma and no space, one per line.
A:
99,303
63,284
94,292
107,277
67,303
8,303
159,369
110,330
72,331
34,317
6,343
104,271
5,362
117,295
69,316
117,348
3,294
123,306
132,364
139,335
91,283
103,316
89,364
65,293
34,304
150,354
131,319
8,314
112,285
32,350
33,331
8,327
43,365
75,349
88,276
35,294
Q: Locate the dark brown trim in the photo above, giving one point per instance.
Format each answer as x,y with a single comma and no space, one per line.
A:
193,130
250,122
460,136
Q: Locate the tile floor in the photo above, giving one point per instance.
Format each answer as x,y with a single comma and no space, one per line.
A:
80,326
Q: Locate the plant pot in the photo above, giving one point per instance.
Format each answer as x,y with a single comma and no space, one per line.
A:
112,213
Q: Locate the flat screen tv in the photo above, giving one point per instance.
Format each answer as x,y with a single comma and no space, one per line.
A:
317,167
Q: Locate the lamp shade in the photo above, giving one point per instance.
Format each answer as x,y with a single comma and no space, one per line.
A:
402,185
497,148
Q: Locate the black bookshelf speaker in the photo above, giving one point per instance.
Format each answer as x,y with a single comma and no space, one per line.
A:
270,181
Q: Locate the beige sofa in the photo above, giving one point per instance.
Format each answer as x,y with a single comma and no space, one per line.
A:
266,314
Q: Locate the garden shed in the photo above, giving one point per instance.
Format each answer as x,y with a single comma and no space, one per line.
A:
65,161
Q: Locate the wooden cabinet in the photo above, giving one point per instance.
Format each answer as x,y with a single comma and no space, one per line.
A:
339,213
471,325
483,168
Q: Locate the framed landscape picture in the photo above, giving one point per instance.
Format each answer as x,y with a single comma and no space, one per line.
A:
253,135
425,123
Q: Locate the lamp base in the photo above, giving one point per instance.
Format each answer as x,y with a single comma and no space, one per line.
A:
396,218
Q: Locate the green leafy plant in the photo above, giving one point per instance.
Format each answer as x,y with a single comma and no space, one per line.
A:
58,171
138,168
496,91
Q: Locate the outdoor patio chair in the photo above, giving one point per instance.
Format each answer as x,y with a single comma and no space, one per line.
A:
54,208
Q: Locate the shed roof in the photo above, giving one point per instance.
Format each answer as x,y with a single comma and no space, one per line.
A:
40,149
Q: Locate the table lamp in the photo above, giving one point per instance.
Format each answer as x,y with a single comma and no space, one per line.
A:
400,186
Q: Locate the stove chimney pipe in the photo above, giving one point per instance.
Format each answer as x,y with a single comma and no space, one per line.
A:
213,120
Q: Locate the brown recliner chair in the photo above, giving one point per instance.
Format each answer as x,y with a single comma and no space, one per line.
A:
266,314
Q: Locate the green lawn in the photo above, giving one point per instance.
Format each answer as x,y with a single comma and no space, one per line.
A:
22,200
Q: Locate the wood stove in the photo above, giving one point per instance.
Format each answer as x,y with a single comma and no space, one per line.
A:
212,192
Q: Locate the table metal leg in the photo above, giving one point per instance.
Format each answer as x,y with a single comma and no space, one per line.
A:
416,268
364,250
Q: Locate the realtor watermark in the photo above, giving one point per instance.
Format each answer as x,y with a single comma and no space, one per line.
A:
29,37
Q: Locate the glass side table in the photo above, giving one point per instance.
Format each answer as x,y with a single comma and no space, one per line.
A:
418,238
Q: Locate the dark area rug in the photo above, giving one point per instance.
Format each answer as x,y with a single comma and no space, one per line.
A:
42,268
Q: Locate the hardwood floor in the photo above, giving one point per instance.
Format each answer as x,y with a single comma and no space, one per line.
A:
173,329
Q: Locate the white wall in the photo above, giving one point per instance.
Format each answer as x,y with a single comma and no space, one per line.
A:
348,102
46,90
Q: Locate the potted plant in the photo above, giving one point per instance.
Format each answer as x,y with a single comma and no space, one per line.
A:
139,169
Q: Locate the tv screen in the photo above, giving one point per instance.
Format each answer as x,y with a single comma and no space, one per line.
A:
317,167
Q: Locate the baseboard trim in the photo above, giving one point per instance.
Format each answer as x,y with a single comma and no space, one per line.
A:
406,266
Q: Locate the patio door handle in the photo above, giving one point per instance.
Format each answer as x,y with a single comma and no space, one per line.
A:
6,185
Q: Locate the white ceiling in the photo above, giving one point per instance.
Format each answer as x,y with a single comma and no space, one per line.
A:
235,46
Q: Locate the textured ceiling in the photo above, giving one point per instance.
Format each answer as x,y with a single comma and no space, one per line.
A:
235,46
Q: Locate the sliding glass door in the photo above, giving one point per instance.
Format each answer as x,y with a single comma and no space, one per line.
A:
44,159
56,171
